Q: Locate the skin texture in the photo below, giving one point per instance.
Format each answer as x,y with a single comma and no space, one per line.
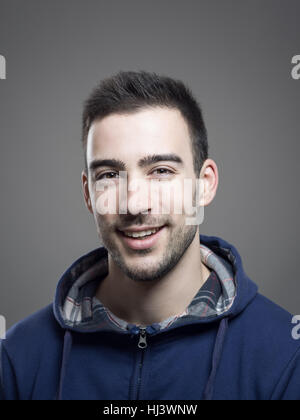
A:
149,285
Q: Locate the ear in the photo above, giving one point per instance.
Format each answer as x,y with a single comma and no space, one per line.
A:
86,193
209,180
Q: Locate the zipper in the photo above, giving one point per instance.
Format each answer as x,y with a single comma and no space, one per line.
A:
142,344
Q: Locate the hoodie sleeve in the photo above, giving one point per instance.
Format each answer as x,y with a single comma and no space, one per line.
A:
8,386
288,387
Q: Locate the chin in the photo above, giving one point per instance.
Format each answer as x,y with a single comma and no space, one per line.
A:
142,271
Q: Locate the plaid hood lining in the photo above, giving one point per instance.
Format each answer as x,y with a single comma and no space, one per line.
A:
82,310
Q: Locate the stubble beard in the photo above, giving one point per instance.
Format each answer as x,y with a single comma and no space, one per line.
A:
179,242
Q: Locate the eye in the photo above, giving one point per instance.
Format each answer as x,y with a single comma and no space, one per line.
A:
163,172
107,175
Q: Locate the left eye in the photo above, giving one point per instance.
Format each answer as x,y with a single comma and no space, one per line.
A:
163,171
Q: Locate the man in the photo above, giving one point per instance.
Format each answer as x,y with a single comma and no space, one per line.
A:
159,312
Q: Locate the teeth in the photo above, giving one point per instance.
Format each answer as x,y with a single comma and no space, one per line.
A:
140,234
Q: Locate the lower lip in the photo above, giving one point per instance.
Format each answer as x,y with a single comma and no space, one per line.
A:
137,243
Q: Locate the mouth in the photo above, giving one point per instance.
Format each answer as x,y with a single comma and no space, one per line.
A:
141,238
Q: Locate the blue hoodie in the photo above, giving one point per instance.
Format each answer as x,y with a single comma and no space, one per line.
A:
230,343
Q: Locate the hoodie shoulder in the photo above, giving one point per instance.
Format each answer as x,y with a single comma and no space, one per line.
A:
274,324
33,332
41,320
274,313
268,321
25,350
266,331
281,347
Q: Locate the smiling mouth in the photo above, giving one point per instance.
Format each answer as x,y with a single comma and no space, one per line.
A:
142,234
141,238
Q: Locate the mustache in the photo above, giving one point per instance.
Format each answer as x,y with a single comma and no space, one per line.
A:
128,220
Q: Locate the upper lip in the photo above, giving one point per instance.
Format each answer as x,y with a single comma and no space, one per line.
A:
140,228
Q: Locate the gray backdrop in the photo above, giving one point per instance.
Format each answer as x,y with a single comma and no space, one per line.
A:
236,57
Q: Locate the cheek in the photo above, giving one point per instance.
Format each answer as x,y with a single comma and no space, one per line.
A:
106,228
171,197
106,200
104,211
179,198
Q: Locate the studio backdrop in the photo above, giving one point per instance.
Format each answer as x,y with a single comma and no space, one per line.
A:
241,60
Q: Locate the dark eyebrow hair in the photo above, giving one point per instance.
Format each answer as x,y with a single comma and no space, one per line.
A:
145,161
114,163
149,160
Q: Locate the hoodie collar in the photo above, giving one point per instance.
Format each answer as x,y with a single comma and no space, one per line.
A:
76,307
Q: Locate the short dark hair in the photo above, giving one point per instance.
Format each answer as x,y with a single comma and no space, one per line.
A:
130,91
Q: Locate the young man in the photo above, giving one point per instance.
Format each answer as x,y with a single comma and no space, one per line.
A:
159,312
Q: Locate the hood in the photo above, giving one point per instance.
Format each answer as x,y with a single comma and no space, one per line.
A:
225,294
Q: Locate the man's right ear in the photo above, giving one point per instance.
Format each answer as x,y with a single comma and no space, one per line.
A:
86,193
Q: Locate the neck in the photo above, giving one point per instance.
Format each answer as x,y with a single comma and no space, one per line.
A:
154,301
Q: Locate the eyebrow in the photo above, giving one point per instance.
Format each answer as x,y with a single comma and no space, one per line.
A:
142,163
113,163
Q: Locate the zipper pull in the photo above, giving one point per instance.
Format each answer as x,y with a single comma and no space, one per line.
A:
142,344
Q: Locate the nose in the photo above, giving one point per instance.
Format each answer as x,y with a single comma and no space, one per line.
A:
138,200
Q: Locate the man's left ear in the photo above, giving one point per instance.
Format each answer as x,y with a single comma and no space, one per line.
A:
208,182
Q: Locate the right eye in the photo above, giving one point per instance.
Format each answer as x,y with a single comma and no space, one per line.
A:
106,175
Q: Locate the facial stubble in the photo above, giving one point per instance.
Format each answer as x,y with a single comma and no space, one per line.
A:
179,242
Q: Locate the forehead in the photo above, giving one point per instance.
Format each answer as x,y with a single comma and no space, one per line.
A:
132,136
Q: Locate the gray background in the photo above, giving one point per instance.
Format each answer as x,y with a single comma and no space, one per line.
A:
234,55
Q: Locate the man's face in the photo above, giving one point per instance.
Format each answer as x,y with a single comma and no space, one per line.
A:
153,146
